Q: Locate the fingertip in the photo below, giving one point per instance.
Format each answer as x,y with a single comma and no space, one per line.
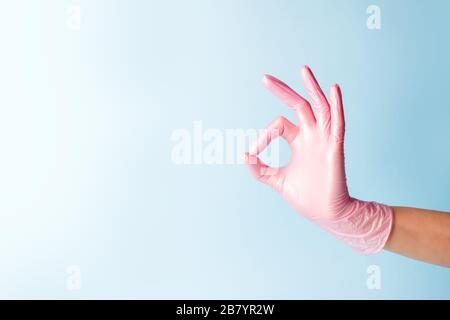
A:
305,70
333,90
268,80
336,87
336,90
250,159
254,166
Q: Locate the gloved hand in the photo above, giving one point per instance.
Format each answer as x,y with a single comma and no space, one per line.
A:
313,182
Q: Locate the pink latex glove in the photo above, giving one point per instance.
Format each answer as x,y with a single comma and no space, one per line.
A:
313,182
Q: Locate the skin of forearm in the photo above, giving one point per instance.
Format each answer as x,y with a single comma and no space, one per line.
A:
421,234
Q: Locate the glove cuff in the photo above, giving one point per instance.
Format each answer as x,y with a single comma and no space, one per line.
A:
365,226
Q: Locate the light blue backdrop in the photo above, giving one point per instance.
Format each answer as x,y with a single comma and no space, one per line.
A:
86,117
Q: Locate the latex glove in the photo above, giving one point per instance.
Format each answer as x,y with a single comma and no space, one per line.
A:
313,182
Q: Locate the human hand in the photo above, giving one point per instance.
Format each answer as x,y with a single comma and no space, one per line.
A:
313,182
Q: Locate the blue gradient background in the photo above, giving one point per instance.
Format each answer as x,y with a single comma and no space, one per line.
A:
86,118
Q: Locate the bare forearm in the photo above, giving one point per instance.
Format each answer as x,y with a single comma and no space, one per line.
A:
421,234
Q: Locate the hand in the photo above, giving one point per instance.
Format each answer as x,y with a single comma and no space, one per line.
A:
313,182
